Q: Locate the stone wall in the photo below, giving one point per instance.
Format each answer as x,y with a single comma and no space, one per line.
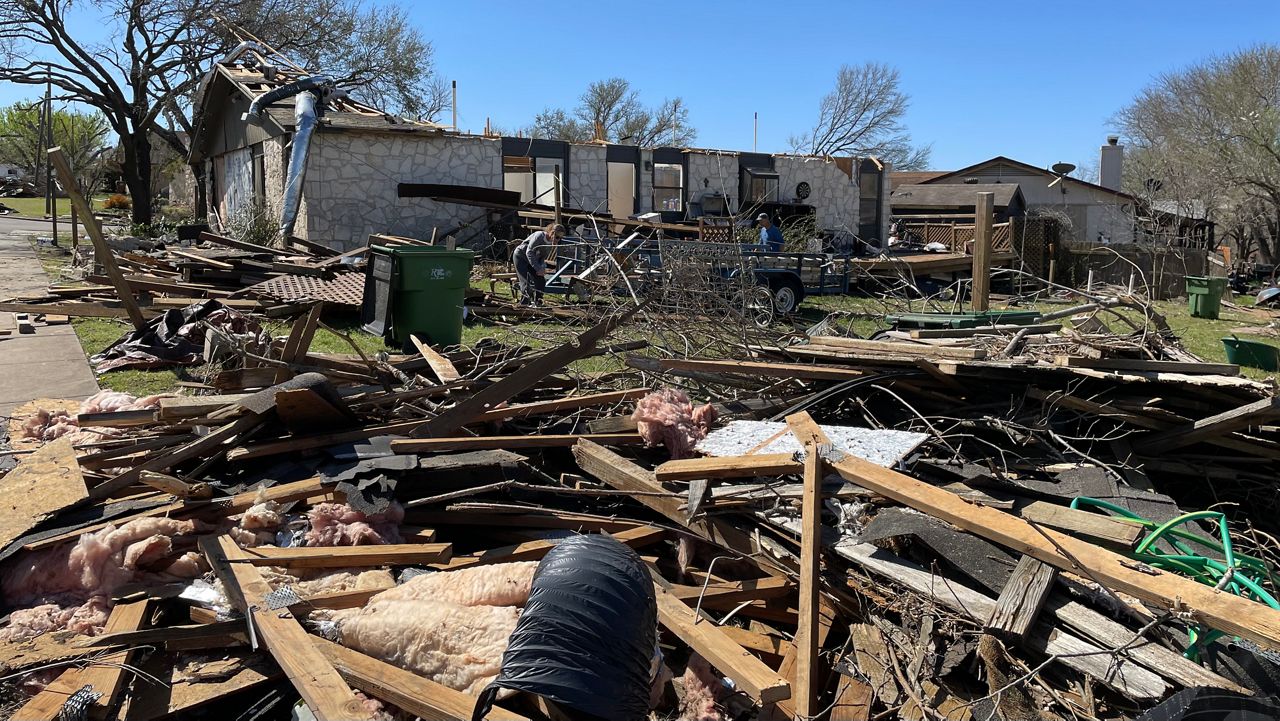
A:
588,178
833,194
718,169
351,182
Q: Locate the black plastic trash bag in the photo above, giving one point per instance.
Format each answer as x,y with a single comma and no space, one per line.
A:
174,338
587,635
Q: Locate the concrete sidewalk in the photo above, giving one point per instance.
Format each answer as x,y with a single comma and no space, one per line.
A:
48,364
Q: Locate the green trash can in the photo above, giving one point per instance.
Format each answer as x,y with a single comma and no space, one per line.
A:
417,290
1204,296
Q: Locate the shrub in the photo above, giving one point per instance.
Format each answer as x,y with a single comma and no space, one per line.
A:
118,202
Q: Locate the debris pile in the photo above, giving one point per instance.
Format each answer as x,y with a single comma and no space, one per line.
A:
1001,522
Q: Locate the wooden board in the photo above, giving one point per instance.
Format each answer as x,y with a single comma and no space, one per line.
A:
563,404
441,366
310,672
806,686
1226,612
41,485
769,370
1022,598
441,445
1219,424
403,554
764,464
1093,527
1139,365
423,697
749,673
897,348
179,693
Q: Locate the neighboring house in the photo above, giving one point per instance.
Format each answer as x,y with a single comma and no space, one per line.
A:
8,170
361,162
915,203
1098,213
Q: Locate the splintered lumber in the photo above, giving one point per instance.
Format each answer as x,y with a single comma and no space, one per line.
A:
180,692
521,379
166,634
897,348
309,670
195,449
1223,611
806,686
118,419
105,675
441,366
421,697
101,251
525,410
440,445
803,371
853,700
85,309
176,486
41,485
756,589
300,335
1235,419
401,554
1006,329
180,407
980,286
1139,365
623,475
748,672
1115,671
764,464
1022,598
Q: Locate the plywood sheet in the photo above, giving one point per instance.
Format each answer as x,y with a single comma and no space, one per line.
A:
42,484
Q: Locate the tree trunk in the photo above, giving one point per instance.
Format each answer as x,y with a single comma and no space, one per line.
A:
137,174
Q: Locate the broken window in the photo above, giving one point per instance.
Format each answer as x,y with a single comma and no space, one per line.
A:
760,185
532,178
668,187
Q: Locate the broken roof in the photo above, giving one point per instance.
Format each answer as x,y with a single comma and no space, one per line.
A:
953,195
252,70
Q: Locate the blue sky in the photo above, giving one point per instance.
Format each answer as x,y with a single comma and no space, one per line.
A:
1037,81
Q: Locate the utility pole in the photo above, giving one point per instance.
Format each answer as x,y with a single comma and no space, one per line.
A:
454,103
755,132
51,199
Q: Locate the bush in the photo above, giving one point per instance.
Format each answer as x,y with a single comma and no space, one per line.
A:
118,202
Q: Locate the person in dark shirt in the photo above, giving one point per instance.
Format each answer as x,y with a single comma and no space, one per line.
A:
531,262
770,236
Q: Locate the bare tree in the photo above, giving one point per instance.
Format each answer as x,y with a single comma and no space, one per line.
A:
143,81
1207,139
862,117
610,110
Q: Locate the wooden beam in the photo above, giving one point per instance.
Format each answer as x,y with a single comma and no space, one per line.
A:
1148,366
81,310
441,445
897,348
756,589
309,670
1236,419
101,251
197,448
815,470
300,336
175,486
748,672
441,366
525,410
1093,527
163,634
1022,598
521,379
1223,611
983,212
764,464
420,696
401,554
803,371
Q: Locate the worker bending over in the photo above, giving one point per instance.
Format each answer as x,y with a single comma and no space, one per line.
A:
531,258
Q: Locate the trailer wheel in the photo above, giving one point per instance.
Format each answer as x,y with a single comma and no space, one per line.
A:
787,295
756,305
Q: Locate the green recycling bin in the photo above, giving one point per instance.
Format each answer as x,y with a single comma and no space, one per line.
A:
417,290
1204,296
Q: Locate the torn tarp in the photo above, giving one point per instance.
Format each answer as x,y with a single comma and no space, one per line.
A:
177,338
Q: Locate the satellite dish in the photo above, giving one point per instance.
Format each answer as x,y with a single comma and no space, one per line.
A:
1063,168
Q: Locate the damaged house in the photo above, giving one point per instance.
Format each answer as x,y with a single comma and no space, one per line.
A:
356,170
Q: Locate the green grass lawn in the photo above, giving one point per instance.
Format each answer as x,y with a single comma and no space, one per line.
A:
35,207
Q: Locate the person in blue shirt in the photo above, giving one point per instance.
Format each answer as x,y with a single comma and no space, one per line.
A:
770,236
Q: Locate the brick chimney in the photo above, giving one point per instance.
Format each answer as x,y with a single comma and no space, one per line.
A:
1111,163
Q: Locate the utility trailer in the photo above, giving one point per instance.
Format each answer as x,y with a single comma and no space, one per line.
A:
584,267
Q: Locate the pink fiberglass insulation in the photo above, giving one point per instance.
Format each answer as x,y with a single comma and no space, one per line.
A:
337,524
702,691
78,578
458,646
668,417
503,584
51,425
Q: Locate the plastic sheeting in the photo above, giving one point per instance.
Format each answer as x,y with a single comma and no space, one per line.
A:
586,638
175,338
1212,704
